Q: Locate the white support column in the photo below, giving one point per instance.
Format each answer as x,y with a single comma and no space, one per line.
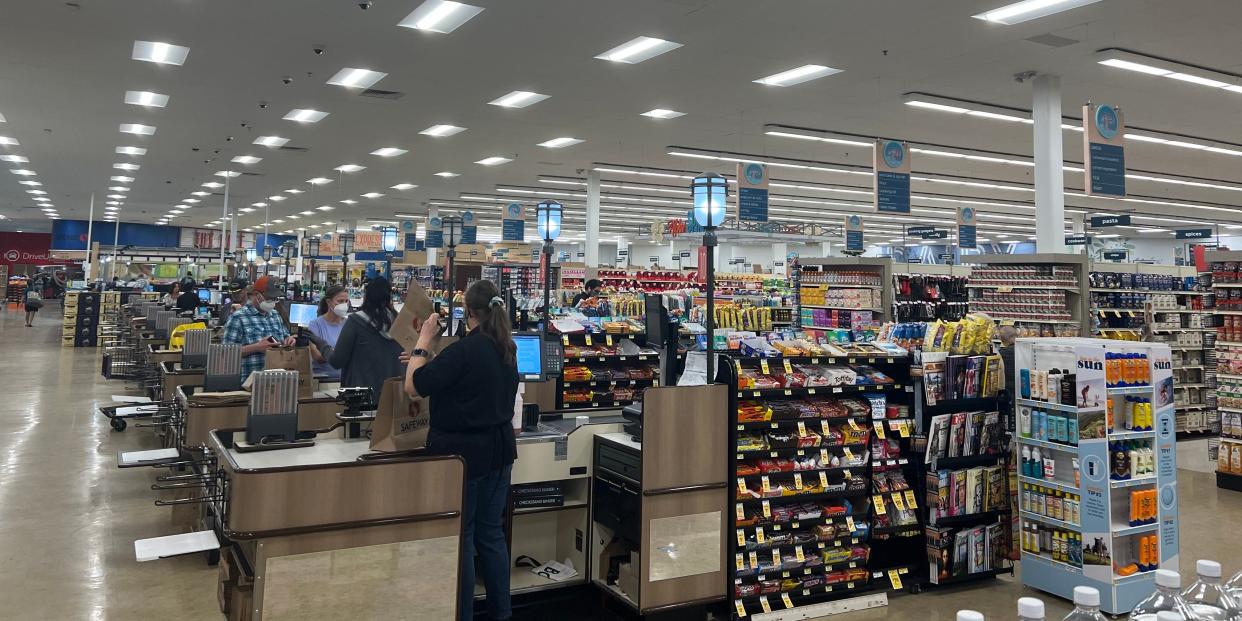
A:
1049,174
779,250
592,219
432,212
825,249
90,229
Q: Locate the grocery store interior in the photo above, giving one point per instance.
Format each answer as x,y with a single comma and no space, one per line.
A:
664,310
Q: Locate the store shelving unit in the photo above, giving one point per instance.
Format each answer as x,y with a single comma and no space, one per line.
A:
1083,454
844,292
1040,294
810,527
925,292
1227,286
615,377
522,279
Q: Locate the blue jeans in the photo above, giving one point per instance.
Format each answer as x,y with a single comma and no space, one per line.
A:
484,532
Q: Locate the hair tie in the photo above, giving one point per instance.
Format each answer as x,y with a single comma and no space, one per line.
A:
496,301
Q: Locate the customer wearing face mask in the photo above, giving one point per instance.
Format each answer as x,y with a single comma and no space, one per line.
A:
365,353
257,327
333,311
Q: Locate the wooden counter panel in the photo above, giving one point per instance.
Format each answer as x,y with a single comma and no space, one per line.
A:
686,436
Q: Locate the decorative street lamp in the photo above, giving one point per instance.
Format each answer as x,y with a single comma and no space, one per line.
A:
710,191
548,214
451,225
286,252
267,254
346,242
312,249
388,240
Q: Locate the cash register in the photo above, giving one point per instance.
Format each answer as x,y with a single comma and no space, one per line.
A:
661,333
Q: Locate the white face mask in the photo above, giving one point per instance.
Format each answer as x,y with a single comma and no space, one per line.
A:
267,306
341,309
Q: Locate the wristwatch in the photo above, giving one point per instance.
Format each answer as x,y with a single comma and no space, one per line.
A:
418,351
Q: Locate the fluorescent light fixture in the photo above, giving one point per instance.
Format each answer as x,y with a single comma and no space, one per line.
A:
447,175
404,186
560,143
638,49
1027,10
9,142
277,221
293,191
246,159
1151,231
1194,79
137,129
305,116
271,141
213,185
798,75
518,99
494,160
118,188
32,184
258,204
442,16
192,201
350,201
350,77
131,151
124,166
389,152
308,212
349,168
42,192
372,195
160,53
122,179
112,203
442,131
247,209
1107,236
277,198
227,173
146,98
1133,66
319,181
14,159
325,208
117,196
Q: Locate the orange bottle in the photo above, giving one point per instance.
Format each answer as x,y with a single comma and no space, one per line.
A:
1142,552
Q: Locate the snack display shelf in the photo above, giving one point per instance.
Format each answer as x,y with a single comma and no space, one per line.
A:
613,383
869,358
818,390
819,544
807,422
842,307
899,529
842,519
794,451
768,603
845,493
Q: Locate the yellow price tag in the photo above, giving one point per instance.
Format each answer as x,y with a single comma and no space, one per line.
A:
608,339
738,364
823,480
754,559
741,538
564,339
824,459
910,500
785,598
588,340
776,559
878,501
741,486
849,455
814,360
767,510
741,610
854,424
898,502
788,367
904,429
799,554
763,365
879,429
848,475
760,538
801,428
849,522
739,512
763,603
895,579
824,429
798,480
764,484
740,561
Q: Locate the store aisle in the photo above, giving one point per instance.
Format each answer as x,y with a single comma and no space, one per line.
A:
68,517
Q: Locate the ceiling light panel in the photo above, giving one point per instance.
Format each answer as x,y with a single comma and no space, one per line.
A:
372,195
118,188
638,49
440,16
350,201
293,191
389,152
319,181
351,77
131,151
246,159
271,141
200,193
14,159
349,168
494,160
146,99
137,129
518,99
447,174
798,75
277,198
125,166
160,53
122,179
1027,10
305,116
442,131
32,184
404,186
1162,67
213,184
560,143
9,142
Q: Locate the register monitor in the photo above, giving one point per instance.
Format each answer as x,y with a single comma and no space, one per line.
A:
204,295
302,314
530,357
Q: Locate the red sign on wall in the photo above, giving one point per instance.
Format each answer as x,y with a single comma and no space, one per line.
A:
27,249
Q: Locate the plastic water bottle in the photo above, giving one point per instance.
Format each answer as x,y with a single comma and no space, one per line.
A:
1165,598
1030,609
1086,605
969,615
1207,599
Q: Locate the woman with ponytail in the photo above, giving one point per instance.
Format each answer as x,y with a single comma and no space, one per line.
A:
472,385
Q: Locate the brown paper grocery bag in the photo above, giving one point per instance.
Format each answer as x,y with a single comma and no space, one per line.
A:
293,359
401,423
417,304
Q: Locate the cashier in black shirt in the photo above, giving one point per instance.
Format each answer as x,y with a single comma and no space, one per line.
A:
472,385
188,300
590,289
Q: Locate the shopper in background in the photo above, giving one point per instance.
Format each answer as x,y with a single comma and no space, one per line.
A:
472,385
188,300
170,298
365,353
589,290
257,327
141,283
33,299
333,311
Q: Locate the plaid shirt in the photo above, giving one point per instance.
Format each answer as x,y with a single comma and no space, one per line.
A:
249,325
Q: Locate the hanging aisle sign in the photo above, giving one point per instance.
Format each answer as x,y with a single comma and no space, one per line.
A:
1115,255
752,192
470,231
853,233
513,224
892,176
409,235
1104,150
435,232
1077,240
1194,233
966,227
1100,222
920,231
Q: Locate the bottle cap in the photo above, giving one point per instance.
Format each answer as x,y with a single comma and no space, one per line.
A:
1168,615
1208,569
969,615
1168,578
1030,608
1086,596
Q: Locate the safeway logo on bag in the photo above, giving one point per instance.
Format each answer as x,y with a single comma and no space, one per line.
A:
416,421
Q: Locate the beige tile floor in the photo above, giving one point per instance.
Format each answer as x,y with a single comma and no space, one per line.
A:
68,517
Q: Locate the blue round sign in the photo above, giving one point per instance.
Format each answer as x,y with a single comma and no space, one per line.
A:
1106,122
467,218
855,221
515,210
968,215
435,222
407,225
894,153
754,174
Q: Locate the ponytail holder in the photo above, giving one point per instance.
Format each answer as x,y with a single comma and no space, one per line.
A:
496,301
